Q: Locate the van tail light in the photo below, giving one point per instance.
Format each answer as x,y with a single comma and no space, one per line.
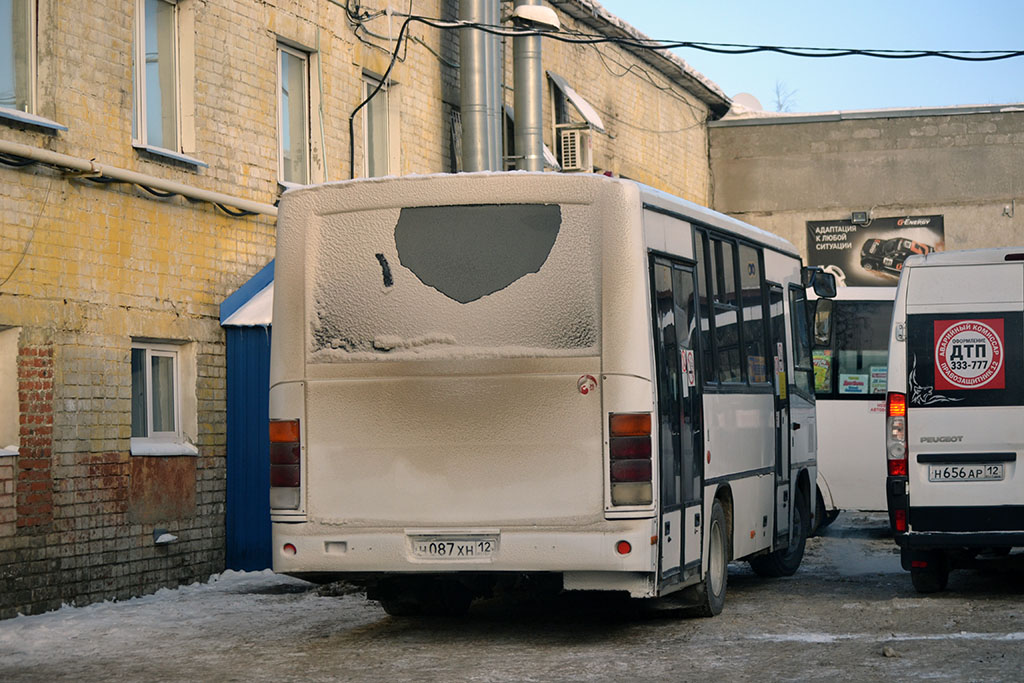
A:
896,434
629,446
285,464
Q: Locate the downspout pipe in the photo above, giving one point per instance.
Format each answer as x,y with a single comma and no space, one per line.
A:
528,85
473,101
89,167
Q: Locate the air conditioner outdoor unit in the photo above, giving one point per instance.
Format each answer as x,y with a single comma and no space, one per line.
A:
575,148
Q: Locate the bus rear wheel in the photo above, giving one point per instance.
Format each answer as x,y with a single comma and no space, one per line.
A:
785,561
425,597
710,593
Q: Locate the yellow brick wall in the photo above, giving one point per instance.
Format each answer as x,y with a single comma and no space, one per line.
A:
86,266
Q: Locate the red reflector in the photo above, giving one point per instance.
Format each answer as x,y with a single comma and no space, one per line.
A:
918,564
284,430
896,405
897,468
629,424
631,470
289,549
630,447
900,518
284,475
623,548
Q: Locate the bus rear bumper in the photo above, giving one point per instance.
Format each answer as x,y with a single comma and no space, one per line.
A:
587,560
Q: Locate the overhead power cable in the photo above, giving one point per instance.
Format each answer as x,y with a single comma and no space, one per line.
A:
721,48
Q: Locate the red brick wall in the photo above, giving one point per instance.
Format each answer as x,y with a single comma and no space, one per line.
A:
34,488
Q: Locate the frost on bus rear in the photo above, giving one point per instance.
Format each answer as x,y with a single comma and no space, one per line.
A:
487,378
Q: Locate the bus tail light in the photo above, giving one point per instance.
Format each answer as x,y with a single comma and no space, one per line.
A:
629,445
285,464
896,434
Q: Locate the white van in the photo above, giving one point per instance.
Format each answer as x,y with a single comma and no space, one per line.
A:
955,410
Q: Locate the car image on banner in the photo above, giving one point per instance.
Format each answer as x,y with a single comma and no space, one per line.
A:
888,255
872,254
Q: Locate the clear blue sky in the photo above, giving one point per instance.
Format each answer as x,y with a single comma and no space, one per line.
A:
844,83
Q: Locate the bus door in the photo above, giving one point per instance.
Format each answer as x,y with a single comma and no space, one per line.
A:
779,351
680,464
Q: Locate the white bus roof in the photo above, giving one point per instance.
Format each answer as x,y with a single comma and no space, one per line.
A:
663,200
967,257
649,196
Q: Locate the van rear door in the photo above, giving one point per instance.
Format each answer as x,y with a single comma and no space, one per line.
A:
965,397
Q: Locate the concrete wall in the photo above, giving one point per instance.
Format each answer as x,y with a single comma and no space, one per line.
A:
86,267
778,172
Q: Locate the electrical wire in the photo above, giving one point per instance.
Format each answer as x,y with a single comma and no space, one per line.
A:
721,48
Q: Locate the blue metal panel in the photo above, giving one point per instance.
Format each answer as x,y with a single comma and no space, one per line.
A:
248,448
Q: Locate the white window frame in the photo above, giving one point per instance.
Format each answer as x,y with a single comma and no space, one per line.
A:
141,130
177,441
391,134
10,438
31,75
307,109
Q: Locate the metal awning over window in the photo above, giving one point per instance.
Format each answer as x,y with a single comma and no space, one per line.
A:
588,113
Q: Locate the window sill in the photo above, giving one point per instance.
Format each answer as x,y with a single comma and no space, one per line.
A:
10,451
15,116
168,154
162,448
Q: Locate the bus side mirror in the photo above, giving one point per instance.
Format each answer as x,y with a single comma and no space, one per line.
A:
823,284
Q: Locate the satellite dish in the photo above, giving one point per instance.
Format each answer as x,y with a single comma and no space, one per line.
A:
748,101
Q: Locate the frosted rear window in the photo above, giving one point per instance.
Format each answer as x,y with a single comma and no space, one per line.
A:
438,282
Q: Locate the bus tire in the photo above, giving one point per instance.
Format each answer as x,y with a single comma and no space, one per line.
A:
822,516
711,591
934,576
785,561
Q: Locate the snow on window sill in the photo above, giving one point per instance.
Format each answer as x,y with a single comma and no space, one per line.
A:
8,451
162,448
13,115
168,154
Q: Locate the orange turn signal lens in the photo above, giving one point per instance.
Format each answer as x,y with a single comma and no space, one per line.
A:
629,424
284,431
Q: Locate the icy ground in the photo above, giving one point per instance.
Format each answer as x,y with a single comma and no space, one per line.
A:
850,612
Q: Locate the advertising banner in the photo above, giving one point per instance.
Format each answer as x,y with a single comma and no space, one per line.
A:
872,254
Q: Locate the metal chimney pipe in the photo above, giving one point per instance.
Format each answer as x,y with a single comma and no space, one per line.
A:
473,85
528,85
494,109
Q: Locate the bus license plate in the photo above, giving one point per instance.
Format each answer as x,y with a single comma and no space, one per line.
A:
993,472
466,548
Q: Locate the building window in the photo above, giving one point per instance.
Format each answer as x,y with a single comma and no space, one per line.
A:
293,115
10,408
155,405
375,129
157,121
17,55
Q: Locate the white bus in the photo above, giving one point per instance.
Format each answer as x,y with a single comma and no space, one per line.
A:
481,379
955,423
850,355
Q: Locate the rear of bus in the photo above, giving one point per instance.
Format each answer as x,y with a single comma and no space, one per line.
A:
454,359
955,410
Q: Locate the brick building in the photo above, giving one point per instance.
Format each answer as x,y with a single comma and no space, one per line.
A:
143,145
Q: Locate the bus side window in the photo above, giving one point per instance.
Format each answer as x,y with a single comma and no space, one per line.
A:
752,303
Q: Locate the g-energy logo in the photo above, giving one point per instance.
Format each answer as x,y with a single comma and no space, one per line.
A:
942,439
910,222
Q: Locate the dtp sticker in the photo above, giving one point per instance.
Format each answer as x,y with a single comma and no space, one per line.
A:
969,354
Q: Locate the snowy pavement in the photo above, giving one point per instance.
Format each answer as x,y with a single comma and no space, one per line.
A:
849,612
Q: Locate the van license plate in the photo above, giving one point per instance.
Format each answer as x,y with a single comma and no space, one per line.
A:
992,472
466,548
